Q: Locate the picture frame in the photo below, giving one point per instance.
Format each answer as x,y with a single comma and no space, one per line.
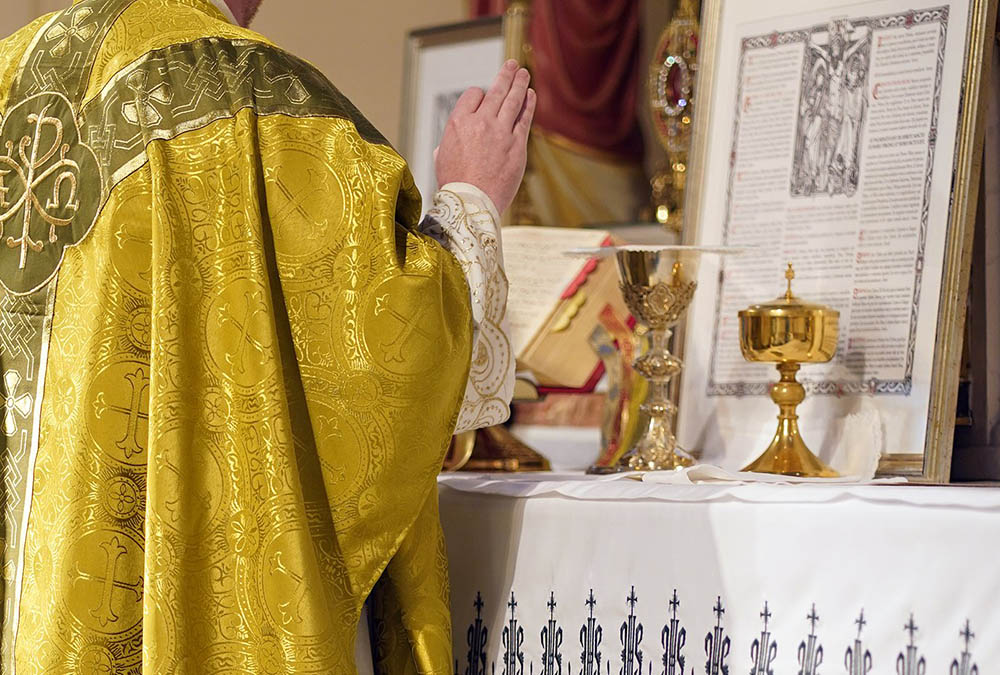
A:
442,62
977,437
912,383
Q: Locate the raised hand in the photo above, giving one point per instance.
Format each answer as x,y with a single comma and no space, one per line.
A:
486,140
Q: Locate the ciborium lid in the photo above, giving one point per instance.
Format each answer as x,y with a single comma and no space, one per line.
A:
789,329
788,303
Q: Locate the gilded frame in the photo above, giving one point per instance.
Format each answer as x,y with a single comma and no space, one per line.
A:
934,465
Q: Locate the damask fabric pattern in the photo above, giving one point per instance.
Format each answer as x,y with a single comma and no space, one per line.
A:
253,361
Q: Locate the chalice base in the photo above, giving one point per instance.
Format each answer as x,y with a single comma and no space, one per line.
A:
788,456
656,450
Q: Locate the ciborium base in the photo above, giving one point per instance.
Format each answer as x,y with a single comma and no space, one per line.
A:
788,454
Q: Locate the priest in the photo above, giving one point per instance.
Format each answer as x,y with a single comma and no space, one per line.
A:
232,355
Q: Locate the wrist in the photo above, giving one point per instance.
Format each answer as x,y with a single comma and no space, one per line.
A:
468,191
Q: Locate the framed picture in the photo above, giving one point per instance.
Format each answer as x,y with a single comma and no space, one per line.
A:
846,139
441,63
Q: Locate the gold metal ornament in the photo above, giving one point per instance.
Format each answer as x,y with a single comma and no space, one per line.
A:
658,285
789,332
671,95
492,450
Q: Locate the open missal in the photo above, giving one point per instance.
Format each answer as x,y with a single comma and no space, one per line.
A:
555,302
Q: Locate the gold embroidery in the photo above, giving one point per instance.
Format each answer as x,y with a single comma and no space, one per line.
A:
150,25
16,403
80,28
45,170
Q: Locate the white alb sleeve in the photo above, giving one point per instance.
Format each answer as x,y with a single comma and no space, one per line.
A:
464,220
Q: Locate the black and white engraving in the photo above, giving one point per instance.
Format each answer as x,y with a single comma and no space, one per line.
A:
476,638
673,638
630,635
964,664
833,104
717,644
909,661
509,656
810,650
835,130
764,649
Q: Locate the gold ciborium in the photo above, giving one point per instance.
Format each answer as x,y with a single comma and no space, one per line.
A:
789,332
658,284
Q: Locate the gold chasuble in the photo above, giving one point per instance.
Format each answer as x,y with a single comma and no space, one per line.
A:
230,362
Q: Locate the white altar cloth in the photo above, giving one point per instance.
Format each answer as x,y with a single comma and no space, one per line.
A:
921,563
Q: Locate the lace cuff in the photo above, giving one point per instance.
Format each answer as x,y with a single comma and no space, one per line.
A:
465,221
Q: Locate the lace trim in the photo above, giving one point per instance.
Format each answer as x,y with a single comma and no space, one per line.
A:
464,221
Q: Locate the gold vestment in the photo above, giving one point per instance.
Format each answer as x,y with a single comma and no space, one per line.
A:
230,362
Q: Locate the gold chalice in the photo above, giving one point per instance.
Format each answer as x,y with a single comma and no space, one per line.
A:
658,284
789,332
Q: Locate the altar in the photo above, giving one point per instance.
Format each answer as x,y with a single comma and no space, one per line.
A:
836,207
564,573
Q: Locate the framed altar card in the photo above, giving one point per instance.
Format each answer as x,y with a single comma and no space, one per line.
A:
845,138
441,63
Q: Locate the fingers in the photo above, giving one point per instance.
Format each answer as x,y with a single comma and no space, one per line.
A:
524,120
514,103
501,87
470,100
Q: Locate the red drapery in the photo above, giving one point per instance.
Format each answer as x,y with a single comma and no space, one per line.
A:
586,70
488,7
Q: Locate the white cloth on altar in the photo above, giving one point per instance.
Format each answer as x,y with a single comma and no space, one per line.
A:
889,550
708,473
861,444
632,487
